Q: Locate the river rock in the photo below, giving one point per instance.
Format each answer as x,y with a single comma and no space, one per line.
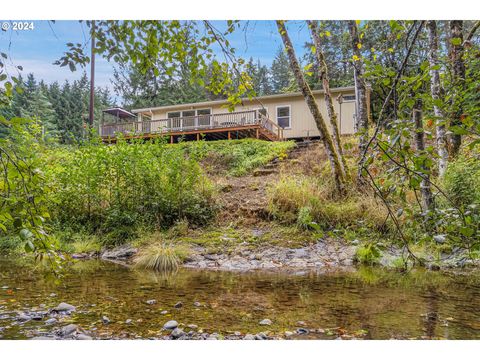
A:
64,307
178,305
302,331
68,330
83,337
288,333
51,321
261,336
128,321
197,304
249,337
170,325
121,252
177,333
266,322
192,326
105,320
164,312
151,302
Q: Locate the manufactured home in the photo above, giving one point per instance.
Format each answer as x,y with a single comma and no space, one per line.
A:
271,117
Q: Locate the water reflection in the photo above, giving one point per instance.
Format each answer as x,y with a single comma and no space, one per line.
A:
386,304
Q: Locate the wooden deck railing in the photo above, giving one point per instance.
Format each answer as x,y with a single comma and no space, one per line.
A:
193,123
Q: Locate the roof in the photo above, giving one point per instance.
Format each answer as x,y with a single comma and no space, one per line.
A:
222,102
117,111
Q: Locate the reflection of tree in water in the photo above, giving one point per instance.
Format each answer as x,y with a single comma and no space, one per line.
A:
431,317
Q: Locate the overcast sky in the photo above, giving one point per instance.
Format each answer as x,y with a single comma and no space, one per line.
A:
37,49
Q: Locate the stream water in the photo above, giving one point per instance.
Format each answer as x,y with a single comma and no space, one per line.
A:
371,303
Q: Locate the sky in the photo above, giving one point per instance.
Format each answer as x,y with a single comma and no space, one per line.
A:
36,50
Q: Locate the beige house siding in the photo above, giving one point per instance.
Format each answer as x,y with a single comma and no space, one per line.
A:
301,120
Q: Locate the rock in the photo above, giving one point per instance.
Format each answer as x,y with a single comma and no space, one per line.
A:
192,326
440,239
211,257
176,333
51,321
197,304
68,330
257,233
178,305
128,321
249,337
43,338
164,312
105,320
151,302
122,252
170,325
64,307
237,333
83,337
288,333
213,337
266,322
53,295
302,331
261,336
301,323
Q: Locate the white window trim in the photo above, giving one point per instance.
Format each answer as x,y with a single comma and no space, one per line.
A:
196,112
348,101
289,117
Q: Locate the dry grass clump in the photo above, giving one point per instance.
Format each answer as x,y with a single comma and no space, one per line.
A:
305,199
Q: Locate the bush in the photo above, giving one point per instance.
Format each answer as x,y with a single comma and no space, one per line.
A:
368,254
462,180
112,190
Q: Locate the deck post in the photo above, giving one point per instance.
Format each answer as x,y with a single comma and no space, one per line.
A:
198,136
229,136
171,139
257,133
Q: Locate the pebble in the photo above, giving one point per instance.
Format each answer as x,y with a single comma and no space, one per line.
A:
105,320
301,323
178,305
249,337
261,336
177,333
128,321
266,322
64,307
164,312
197,304
288,333
83,337
50,321
69,329
302,331
151,302
170,325
192,326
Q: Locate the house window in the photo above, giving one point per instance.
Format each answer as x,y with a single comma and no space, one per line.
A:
172,115
348,97
204,111
283,116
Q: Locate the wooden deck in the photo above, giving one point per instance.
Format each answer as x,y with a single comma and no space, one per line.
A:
234,125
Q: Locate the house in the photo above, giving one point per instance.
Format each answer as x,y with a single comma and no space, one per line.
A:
271,117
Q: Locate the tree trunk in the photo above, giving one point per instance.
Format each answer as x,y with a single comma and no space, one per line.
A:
437,95
314,109
332,115
361,99
425,190
456,57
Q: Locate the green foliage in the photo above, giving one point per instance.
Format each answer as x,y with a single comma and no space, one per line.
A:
237,157
112,190
160,256
368,254
462,180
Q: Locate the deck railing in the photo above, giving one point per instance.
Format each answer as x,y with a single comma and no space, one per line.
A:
193,123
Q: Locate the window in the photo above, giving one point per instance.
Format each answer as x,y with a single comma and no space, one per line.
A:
283,116
188,113
348,97
204,112
172,115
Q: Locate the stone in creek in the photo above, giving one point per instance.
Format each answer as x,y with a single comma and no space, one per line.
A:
192,326
288,333
128,321
197,304
64,307
23,317
120,253
105,320
53,295
83,337
249,337
261,336
170,325
266,322
164,312
151,302
178,305
302,331
68,330
301,323
50,321
237,333
177,333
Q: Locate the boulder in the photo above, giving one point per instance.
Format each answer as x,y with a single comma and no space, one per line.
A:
170,325
122,252
64,307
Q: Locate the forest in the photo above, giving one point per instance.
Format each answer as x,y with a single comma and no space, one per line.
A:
402,193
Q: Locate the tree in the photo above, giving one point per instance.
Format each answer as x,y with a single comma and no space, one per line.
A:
323,74
281,73
436,92
360,98
325,137
456,58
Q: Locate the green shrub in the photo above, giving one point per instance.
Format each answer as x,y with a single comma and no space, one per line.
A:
113,190
368,254
462,180
161,257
